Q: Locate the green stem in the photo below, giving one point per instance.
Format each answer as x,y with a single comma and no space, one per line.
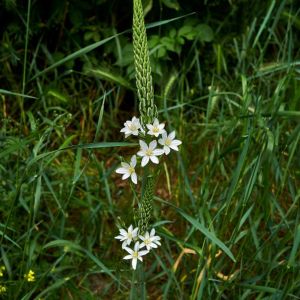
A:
138,283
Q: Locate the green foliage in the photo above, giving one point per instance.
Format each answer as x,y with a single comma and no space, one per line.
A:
228,204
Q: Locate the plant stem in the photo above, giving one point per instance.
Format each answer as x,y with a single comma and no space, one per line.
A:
138,284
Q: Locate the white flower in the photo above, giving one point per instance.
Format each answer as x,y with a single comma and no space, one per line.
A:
131,127
128,170
135,254
150,240
155,129
168,142
149,152
127,236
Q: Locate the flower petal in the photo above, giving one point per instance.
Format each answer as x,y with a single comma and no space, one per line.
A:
125,176
137,246
124,129
152,245
145,160
144,252
154,159
167,150
141,153
130,251
176,142
143,145
162,126
134,178
135,231
133,161
121,170
123,232
172,135
153,145
158,152
134,262
161,141
174,147
127,257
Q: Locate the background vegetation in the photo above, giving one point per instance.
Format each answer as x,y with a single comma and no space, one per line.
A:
226,77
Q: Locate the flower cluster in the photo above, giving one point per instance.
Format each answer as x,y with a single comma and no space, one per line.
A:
30,276
2,270
148,152
2,287
147,242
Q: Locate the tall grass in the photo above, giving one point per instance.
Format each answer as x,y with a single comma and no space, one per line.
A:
227,206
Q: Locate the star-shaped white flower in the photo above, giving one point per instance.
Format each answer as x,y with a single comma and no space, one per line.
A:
131,127
150,240
128,170
127,236
149,152
168,142
155,129
135,254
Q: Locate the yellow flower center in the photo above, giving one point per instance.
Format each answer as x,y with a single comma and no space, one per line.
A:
149,152
168,142
135,254
156,129
131,170
147,241
132,127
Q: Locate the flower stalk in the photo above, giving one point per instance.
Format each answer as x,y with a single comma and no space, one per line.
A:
139,241
147,108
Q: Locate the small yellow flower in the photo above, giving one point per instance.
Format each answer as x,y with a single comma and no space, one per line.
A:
2,269
30,276
2,289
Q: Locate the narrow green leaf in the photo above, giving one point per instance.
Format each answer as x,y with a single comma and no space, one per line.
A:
263,24
37,196
85,146
295,248
207,233
9,239
63,243
9,93
110,77
76,54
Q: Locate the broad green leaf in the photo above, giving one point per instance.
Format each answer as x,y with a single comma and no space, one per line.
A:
171,4
205,32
